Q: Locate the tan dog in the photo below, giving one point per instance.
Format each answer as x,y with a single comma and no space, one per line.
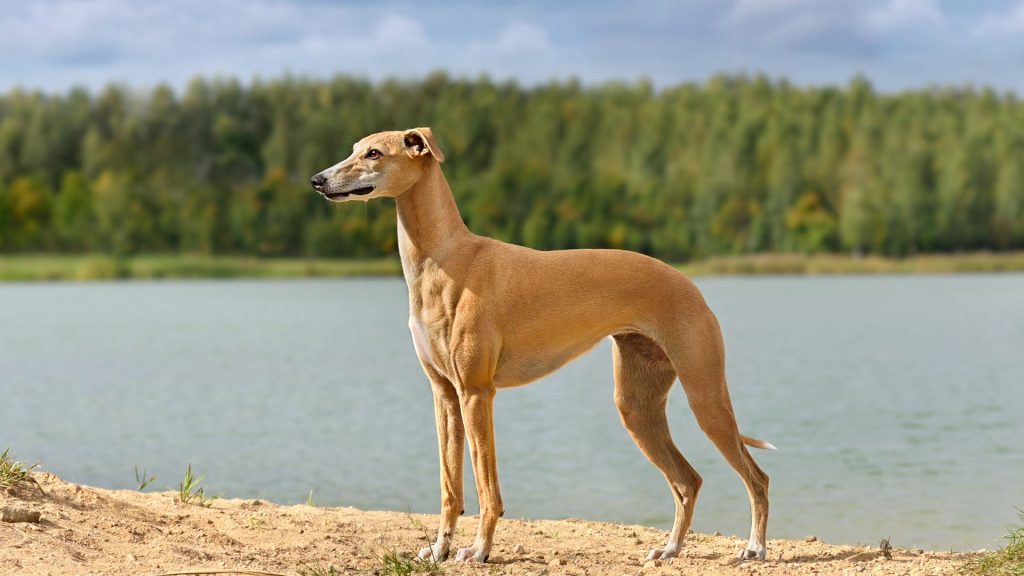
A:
486,315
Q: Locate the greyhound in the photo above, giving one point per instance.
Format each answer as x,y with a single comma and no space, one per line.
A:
486,315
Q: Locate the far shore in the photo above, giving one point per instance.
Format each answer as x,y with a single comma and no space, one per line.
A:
70,267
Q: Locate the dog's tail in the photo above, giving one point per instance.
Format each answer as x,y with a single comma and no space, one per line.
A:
755,443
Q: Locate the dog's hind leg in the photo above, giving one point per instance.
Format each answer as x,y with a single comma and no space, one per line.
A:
643,379
699,357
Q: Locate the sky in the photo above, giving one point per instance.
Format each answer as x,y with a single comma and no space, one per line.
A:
896,44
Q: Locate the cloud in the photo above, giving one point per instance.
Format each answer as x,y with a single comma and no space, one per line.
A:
1001,25
905,15
400,31
860,29
58,33
146,43
521,37
799,25
373,47
898,43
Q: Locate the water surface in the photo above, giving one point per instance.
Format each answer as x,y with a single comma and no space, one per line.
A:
896,402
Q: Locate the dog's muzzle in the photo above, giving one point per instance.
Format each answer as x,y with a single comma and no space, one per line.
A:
318,182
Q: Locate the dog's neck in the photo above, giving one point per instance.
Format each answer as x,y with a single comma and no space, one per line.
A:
429,224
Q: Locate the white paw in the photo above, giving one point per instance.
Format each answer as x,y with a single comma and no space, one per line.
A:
470,555
753,554
662,554
434,553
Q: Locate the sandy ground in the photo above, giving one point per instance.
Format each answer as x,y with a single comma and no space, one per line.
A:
84,530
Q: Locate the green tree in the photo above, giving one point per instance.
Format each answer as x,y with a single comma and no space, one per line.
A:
5,218
73,218
811,227
783,183
736,164
1008,217
121,220
28,214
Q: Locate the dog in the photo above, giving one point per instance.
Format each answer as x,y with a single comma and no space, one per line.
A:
486,315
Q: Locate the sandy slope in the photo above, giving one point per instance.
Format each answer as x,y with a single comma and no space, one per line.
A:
86,530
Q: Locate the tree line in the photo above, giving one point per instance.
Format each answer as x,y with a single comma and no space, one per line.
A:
733,165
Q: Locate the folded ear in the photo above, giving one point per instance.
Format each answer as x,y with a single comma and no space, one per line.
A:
420,141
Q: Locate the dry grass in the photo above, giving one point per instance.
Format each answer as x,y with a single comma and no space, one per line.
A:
393,563
14,473
1008,561
97,267
793,264
46,267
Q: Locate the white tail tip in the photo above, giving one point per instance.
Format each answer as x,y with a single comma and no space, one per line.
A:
755,443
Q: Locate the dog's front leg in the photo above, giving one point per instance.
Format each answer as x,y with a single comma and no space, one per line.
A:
450,441
478,418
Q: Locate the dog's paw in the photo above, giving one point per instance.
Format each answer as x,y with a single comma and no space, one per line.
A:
753,554
470,555
434,553
662,554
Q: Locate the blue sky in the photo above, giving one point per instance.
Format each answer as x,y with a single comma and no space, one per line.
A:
897,44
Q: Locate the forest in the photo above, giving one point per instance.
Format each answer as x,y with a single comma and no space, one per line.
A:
733,165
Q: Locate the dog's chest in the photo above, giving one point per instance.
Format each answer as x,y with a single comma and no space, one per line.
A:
432,303
425,346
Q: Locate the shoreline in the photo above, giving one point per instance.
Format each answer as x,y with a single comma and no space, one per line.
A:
83,529
91,267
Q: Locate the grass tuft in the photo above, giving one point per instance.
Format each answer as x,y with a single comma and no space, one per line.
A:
256,523
14,473
1008,561
394,564
191,490
142,479
415,524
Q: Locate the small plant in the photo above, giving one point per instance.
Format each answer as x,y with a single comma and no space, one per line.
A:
14,473
415,524
432,563
318,570
309,499
256,523
1006,562
143,480
394,564
191,490
885,548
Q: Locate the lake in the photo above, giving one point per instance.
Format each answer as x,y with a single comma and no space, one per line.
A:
897,403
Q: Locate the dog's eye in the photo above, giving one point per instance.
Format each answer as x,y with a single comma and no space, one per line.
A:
373,154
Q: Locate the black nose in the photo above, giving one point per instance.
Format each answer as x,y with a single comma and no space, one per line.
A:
318,181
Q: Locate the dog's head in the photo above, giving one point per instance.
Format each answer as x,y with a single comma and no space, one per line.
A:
382,164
